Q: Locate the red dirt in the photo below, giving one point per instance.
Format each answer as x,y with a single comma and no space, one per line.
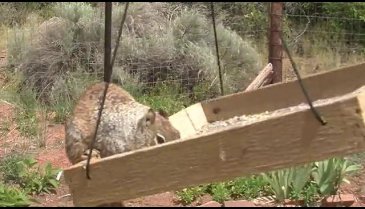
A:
356,187
10,138
54,152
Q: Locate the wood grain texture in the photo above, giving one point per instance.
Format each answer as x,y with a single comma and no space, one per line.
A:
264,77
189,120
276,96
298,138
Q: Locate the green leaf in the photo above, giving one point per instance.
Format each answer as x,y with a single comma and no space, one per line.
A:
53,182
352,168
301,176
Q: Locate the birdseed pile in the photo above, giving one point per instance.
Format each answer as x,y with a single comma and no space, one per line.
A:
244,120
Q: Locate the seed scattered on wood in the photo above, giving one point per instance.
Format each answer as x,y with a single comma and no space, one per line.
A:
244,120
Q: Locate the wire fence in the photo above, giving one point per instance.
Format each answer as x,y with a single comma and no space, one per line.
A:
323,36
168,48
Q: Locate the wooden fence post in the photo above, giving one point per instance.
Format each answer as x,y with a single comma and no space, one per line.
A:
275,45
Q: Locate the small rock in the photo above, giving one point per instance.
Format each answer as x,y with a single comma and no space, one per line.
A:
293,203
239,203
361,198
357,204
204,199
340,200
211,204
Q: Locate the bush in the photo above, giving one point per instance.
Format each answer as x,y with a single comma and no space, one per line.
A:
11,196
307,183
189,195
316,180
12,13
157,45
247,188
23,171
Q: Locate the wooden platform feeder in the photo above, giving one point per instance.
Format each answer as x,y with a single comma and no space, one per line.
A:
290,137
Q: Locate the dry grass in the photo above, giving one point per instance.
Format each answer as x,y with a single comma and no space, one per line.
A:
323,60
3,37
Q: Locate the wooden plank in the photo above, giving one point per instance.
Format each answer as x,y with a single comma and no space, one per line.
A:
298,138
192,118
189,120
276,96
263,78
361,99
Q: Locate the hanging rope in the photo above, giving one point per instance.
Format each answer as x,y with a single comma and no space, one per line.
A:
314,110
216,48
108,68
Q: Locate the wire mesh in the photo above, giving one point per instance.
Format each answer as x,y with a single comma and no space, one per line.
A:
323,35
164,45
168,51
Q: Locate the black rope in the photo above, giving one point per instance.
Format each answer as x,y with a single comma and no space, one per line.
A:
108,69
107,42
216,48
314,110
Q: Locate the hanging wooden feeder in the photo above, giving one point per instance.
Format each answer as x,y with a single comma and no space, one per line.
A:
236,135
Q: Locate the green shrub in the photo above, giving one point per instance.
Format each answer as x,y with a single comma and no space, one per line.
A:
284,181
329,174
11,196
189,195
220,193
247,188
307,183
152,50
12,13
23,171
318,180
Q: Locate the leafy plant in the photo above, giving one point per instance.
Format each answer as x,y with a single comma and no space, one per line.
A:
245,187
188,195
279,181
286,182
248,188
329,174
10,169
13,197
23,171
310,181
300,177
309,194
220,192
38,181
